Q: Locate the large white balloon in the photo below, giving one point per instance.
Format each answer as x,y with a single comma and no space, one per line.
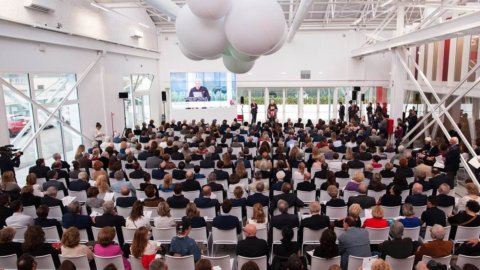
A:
237,66
241,56
202,38
210,9
254,27
188,54
279,44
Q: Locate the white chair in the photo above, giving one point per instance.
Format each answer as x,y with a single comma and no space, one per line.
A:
277,235
237,212
219,193
128,234
418,210
404,194
447,210
9,262
412,233
19,234
443,260
81,262
466,233
177,213
377,235
136,182
210,213
306,196
55,212
40,181
30,211
191,195
376,194
199,235
464,259
135,262
223,237
260,261
124,211
387,181
354,262
163,235
391,211
80,196
250,211
322,263
336,212
406,263
410,179
44,262
51,234
95,231
311,237
348,193
153,210
180,263
324,197
342,182
102,262
338,231
224,262
83,236
428,235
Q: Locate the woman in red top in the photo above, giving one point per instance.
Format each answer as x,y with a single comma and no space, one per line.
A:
377,221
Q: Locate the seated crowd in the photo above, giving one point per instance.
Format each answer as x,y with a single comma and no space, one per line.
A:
290,193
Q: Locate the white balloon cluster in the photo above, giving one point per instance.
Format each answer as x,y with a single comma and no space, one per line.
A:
239,31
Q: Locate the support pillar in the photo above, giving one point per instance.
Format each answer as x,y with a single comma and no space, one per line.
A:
397,88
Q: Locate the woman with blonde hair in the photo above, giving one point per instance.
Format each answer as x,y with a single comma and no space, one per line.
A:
348,154
164,219
102,184
32,181
299,174
258,217
142,247
79,152
240,170
377,220
167,185
9,183
354,212
380,264
193,214
227,161
98,170
472,195
136,218
71,246
355,182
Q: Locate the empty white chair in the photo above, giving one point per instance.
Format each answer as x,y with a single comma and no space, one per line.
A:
163,235
55,212
464,259
406,263
447,210
128,234
306,196
191,195
311,237
102,262
376,194
336,212
9,262
80,196
443,260
223,237
177,213
44,262
355,262
180,263
19,234
260,261
428,235
51,234
466,233
124,211
418,210
324,197
210,213
391,211
322,263
377,235
412,233
81,262
30,211
153,210
224,262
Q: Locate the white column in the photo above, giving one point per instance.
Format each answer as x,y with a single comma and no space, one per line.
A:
267,101
397,96
335,103
4,135
451,61
400,20
300,103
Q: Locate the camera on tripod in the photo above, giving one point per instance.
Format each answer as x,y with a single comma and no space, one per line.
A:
7,152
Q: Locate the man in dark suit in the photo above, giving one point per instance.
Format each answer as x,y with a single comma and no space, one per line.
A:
74,218
221,175
190,184
57,157
444,200
253,111
433,215
290,198
126,200
85,162
251,246
452,161
250,143
43,221
159,173
175,155
314,222
110,218
355,163
258,196
144,154
206,201
180,173
363,154
437,179
137,173
40,170
397,247
341,111
284,219
306,184
417,198
207,163
57,166
344,172
226,221
215,186
50,199
81,183
362,198
178,200
322,174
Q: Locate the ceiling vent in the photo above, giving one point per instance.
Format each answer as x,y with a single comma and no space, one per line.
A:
45,6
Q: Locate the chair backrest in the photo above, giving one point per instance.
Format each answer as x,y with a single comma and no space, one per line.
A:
312,237
387,181
136,182
237,212
210,212
464,259
163,235
376,194
153,210
406,263
260,261
81,262
30,211
322,263
44,262
199,235
19,234
377,235
324,197
306,196
418,210
250,211
447,210
124,211
443,260
354,262
219,193
135,262
428,235
348,193
177,213
223,262
336,212
412,233
51,234
224,236
277,235
95,231
180,263
191,195
80,196
466,233
342,182
83,236
404,194
9,261
55,212
128,234
102,262
391,211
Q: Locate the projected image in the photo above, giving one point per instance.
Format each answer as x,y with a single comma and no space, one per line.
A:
202,89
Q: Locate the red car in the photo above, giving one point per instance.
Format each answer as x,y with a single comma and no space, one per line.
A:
16,123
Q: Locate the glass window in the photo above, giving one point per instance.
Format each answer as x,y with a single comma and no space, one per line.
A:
291,103
146,108
325,102
473,57
52,88
310,108
142,82
137,106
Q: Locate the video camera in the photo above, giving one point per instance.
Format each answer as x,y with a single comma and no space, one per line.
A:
7,152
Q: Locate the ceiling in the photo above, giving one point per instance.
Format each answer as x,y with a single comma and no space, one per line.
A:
329,14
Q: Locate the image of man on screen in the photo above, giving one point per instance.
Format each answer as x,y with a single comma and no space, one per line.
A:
199,91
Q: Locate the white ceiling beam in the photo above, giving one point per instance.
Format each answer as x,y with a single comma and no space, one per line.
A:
166,6
300,15
459,26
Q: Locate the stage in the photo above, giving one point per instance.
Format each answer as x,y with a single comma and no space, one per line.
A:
208,114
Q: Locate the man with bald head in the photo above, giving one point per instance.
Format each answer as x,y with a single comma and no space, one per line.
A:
125,200
362,198
417,198
205,201
199,91
50,199
251,246
307,184
190,184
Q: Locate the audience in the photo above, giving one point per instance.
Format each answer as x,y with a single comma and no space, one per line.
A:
182,244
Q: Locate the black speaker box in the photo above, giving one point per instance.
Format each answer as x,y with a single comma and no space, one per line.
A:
363,97
242,100
356,88
354,95
164,96
123,95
